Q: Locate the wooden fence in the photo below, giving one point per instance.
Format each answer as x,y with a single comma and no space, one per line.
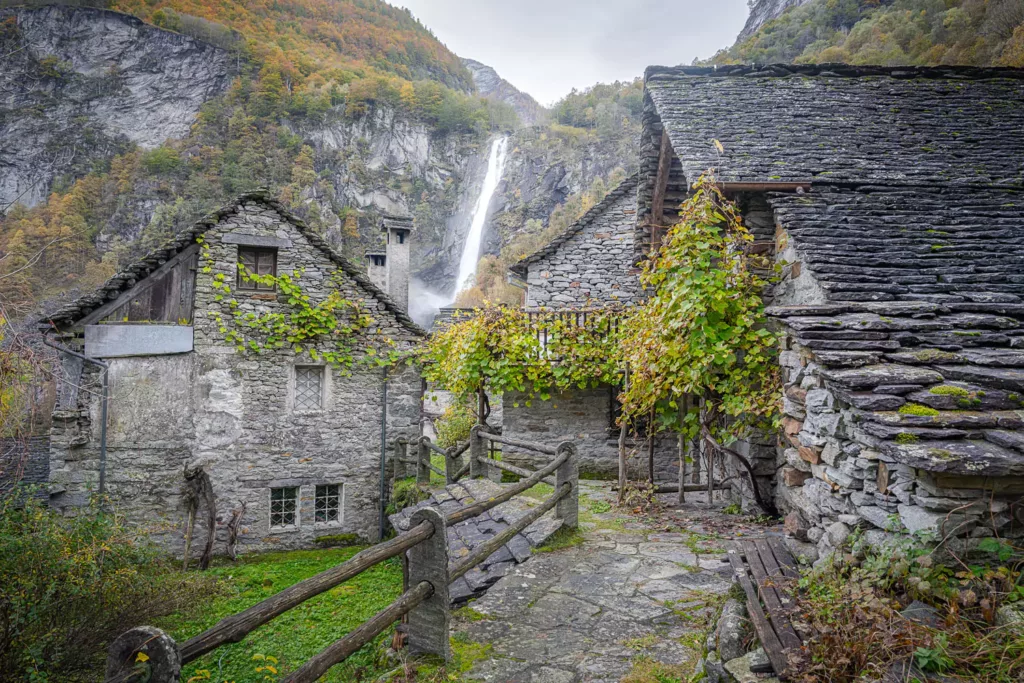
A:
429,570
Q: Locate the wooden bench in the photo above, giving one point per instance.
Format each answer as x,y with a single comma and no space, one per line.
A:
766,564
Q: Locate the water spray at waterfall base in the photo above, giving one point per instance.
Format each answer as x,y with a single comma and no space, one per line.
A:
471,249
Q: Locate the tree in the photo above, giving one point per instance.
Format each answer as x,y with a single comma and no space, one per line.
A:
703,333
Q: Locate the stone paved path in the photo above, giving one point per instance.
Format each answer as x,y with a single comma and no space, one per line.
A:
466,536
638,595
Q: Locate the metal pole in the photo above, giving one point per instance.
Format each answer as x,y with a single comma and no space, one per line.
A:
383,455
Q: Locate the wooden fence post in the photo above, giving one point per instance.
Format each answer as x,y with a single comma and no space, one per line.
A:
568,508
163,659
477,467
429,621
422,460
450,467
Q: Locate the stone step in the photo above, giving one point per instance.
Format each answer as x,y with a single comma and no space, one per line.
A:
465,537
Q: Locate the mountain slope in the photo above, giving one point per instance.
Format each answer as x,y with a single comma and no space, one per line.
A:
913,32
331,128
308,37
492,86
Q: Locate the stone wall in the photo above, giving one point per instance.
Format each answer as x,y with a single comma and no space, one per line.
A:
583,417
234,414
593,266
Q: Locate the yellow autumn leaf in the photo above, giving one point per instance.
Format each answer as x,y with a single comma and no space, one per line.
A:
142,657
718,146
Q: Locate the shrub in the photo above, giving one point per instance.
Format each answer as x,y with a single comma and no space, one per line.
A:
69,585
454,424
161,160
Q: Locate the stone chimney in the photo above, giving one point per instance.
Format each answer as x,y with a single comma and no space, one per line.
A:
376,268
397,229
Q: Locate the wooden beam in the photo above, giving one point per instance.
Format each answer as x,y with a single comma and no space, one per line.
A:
773,186
660,186
140,288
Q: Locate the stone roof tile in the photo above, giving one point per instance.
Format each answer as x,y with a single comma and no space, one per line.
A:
79,308
949,125
628,185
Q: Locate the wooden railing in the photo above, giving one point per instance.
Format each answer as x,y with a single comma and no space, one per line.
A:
598,322
429,571
454,468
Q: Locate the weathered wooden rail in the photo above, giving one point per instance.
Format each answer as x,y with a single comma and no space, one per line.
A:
425,603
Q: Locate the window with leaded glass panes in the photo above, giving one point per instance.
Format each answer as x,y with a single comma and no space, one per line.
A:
257,261
327,504
284,507
309,387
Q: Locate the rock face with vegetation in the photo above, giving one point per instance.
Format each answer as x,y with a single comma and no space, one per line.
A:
763,11
920,32
492,86
80,84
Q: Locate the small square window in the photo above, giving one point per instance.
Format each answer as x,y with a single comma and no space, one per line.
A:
309,387
257,261
327,504
284,506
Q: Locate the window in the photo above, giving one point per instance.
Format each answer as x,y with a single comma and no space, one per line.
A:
309,387
258,261
327,504
284,506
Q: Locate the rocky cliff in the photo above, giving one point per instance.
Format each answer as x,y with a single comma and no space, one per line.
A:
763,11
140,130
78,85
492,86
547,166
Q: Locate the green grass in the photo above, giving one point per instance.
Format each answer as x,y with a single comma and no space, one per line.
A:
300,633
560,540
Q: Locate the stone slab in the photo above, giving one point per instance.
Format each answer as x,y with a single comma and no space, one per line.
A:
122,341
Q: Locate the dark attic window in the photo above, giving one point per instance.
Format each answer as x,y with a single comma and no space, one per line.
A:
257,260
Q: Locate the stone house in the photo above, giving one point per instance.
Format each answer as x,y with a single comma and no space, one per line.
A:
893,199
292,443
587,267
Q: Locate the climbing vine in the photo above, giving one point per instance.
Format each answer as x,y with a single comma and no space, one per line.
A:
703,333
503,349
325,330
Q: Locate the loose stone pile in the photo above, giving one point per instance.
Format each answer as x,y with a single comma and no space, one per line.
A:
890,426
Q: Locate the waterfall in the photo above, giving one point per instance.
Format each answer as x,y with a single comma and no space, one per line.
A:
471,250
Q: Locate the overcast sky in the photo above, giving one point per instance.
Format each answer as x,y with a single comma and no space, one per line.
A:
548,47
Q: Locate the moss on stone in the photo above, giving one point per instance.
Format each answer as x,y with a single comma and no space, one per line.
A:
906,438
934,356
918,409
940,454
947,390
338,540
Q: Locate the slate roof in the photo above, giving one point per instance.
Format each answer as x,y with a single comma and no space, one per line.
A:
628,185
959,125
139,270
925,305
961,246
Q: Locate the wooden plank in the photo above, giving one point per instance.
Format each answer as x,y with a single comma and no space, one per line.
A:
189,267
782,556
770,641
126,297
772,599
